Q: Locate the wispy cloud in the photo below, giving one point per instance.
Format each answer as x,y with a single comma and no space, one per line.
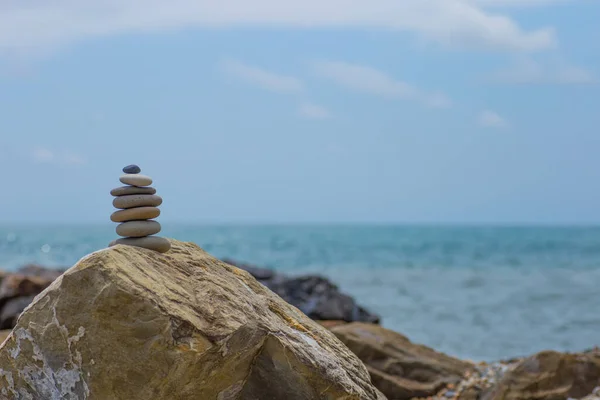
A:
491,119
41,25
313,111
263,78
375,82
42,155
550,72
46,156
519,3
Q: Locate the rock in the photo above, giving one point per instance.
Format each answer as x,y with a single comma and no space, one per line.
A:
330,324
137,200
125,323
549,375
126,190
258,273
401,369
155,243
17,290
40,271
315,296
138,229
132,169
12,309
3,335
136,213
136,180
320,299
17,285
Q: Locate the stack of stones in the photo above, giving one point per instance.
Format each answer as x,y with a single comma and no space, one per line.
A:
138,204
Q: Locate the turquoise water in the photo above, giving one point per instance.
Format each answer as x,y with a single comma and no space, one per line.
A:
475,292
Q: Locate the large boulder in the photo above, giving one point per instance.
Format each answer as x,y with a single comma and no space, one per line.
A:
315,295
130,323
401,369
549,375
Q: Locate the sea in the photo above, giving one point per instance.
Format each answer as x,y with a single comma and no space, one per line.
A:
475,292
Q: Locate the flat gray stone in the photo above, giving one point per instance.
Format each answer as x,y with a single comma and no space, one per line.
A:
135,214
125,190
136,180
155,243
138,228
137,200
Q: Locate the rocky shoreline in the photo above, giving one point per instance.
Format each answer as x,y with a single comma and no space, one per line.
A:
211,309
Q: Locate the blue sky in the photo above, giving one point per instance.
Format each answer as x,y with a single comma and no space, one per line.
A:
450,111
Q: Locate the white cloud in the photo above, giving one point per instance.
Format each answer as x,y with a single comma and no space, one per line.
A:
41,25
372,81
491,119
265,79
313,111
554,71
45,156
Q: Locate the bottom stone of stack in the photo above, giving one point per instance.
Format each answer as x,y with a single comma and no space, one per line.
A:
155,243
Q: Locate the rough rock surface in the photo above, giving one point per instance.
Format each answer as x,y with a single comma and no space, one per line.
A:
315,296
129,323
399,368
549,375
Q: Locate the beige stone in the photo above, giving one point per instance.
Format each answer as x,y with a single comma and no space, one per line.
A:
136,180
137,200
125,190
126,323
155,243
138,228
136,213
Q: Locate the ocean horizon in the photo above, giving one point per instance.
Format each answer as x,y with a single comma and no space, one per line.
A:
484,292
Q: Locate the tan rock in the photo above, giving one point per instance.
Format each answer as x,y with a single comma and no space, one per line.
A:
549,375
3,335
155,243
137,200
330,323
126,190
399,368
136,213
125,323
136,180
138,229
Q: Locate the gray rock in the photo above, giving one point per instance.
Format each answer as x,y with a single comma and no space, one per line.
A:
138,228
137,200
126,190
155,243
132,169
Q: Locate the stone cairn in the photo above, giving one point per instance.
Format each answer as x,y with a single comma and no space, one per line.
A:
138,205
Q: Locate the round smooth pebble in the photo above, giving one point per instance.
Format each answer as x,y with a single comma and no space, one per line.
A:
138,228
136,180
135,214
125,190
137,200
132,169
155,243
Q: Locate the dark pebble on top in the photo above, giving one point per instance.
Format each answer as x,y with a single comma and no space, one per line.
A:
132,169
